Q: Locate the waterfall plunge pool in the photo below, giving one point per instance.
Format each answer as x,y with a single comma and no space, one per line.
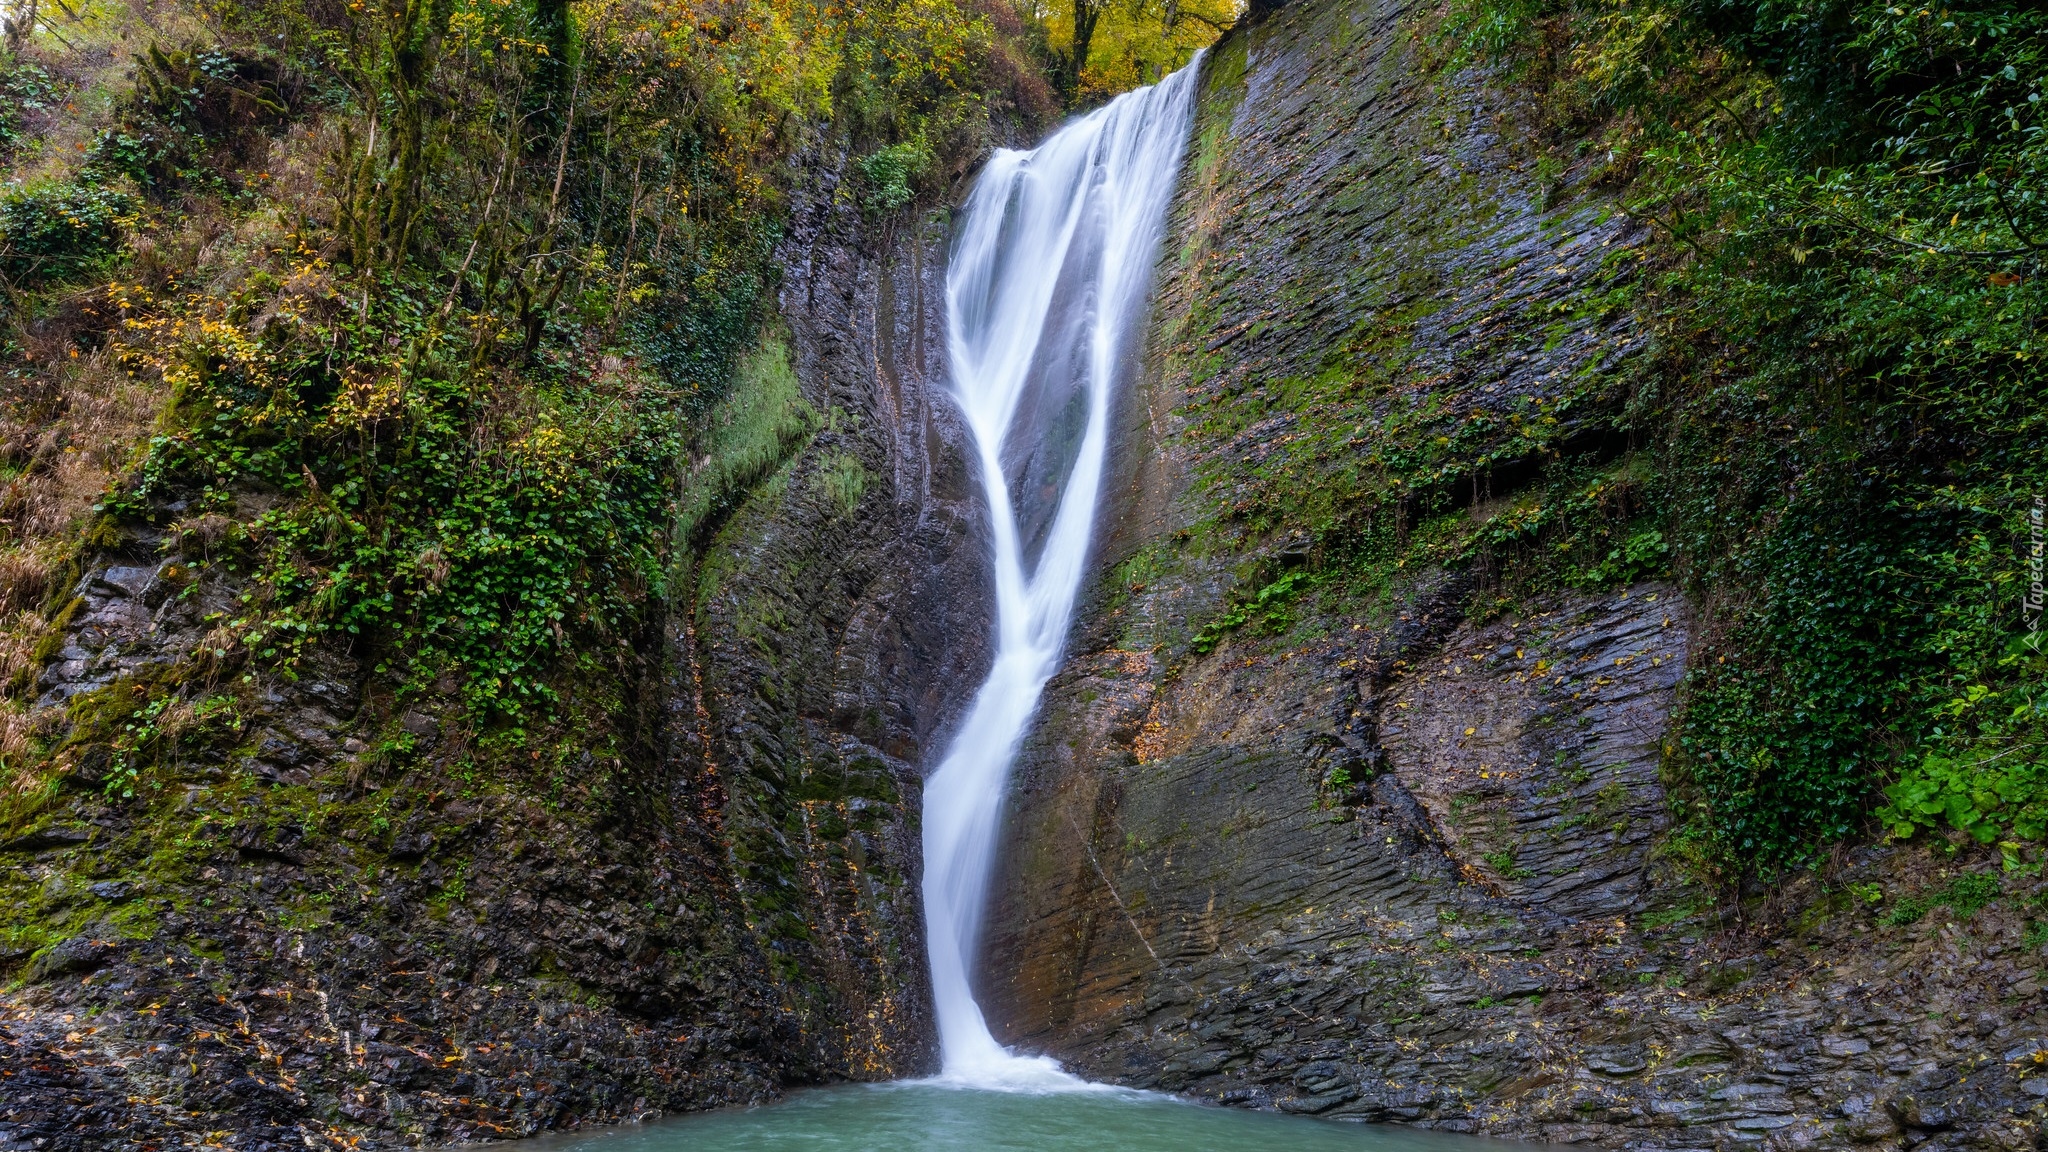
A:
920,1116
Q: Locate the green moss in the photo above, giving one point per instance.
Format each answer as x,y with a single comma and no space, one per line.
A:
52,641
844,481
1223,89
1966,895
103,533
1677,913
746,438
22,805
96,715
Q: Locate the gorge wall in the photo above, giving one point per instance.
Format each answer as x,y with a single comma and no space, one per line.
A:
320,929
1329,812
1351,799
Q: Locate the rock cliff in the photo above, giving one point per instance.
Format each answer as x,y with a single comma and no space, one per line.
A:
325,931
1332,811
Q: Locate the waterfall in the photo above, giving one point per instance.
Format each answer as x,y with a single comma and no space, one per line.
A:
1045,304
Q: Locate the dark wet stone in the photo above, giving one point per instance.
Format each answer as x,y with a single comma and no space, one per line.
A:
53,836
79,954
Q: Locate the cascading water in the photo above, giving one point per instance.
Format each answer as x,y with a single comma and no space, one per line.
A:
1045,301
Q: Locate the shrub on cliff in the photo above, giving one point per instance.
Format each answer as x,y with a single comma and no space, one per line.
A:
1849,403
59,230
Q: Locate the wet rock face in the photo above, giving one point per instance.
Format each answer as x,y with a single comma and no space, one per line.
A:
832,640
1534,746
1474,931
1348,853
1407,855
485,968
244,953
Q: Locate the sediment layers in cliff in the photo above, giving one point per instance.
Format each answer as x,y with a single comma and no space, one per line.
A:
1386,838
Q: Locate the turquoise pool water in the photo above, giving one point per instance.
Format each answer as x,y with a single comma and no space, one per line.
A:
920,1117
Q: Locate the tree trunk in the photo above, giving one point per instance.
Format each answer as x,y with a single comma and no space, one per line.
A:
1085,17
20,26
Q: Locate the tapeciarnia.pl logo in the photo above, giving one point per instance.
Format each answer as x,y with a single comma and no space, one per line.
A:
2037,530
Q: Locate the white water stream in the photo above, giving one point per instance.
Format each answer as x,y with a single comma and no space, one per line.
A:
1045,298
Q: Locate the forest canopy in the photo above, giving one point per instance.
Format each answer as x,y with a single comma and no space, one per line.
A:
1102,47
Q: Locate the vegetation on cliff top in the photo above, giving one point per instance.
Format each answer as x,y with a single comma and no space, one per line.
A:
1098,48
400,319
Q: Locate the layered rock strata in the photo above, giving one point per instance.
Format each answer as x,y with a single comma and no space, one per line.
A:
1402,851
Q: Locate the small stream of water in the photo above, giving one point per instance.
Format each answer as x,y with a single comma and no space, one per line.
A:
1045,296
